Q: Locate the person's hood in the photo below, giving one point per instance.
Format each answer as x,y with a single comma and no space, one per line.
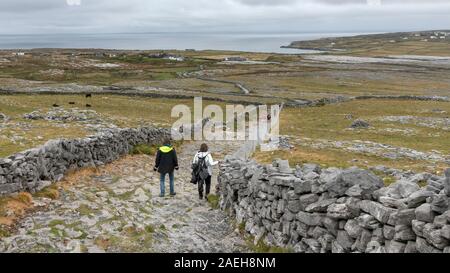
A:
166,149
202,154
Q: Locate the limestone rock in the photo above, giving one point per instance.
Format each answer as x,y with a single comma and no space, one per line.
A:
320,206
353,229
417,198
411,247
422,246
342,211
310,219
433,236
404,233
425,213
380,212
395,247
360,124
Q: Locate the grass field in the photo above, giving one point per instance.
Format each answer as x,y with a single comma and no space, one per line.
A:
123,111
383,44
330,123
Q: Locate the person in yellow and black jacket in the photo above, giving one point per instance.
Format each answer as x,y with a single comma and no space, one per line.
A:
166,162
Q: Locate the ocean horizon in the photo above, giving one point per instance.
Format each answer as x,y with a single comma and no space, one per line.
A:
249,42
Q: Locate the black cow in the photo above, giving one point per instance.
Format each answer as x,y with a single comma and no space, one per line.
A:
88,95
88,105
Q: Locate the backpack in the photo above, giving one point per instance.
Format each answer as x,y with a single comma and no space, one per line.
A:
199,170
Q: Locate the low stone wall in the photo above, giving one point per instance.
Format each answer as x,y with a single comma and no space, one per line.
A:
36,168
310,209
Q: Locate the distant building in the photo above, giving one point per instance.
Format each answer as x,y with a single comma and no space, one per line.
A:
158,55
19,54
167,56
175,58
235,59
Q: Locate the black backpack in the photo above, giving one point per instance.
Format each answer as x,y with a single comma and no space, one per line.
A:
199,170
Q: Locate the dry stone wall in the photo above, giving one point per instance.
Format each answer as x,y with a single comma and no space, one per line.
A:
314,210
36,168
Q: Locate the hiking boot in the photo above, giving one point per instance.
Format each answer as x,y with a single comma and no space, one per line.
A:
161,195
173,194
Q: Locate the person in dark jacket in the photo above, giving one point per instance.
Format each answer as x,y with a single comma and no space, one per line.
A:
166,162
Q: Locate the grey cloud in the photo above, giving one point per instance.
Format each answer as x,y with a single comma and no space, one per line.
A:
48,16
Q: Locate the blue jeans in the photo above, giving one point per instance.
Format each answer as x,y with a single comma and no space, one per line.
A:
162,183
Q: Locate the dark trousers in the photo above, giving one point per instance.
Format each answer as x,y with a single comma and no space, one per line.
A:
207,183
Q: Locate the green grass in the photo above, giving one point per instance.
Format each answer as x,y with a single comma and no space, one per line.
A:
4,232
125,112
56,222
388,180
51,192
85,210
213,201
261,247
144,149
329,123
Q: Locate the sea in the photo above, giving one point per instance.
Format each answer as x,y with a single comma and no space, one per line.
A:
248,42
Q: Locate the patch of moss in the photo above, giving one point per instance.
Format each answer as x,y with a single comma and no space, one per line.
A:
150,229
144,210
4,232
162,227
241,227
85,210
115,179
125,196
389,180
57,232
213,200
422,183
262,247
54,223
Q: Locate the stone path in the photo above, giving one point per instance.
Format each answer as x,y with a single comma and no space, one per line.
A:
117,209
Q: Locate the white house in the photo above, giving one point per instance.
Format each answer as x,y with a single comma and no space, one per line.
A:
175,58
19,53
235,59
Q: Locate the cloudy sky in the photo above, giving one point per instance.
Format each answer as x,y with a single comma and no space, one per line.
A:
109,16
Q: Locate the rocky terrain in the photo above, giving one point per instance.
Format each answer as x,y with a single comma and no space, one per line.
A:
372,105
117,209
314,210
